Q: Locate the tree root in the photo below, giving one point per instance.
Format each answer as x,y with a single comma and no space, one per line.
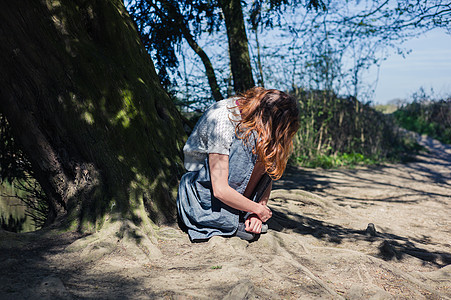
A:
116,235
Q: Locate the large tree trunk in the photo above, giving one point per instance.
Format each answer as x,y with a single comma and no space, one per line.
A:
85,104
238,45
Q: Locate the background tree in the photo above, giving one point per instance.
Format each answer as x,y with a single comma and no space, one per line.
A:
86,107
169,21
162,26
240,62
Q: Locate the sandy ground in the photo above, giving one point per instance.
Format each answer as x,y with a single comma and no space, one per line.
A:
319,246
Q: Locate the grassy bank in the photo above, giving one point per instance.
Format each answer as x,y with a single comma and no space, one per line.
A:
341,131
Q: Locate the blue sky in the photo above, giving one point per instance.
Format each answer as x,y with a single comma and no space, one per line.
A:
428,65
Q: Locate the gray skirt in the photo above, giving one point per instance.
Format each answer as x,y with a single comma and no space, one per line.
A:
204,215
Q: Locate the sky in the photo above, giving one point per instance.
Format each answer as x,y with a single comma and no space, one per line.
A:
427,66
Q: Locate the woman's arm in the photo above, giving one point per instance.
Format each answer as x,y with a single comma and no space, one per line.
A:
219,173
253,223
265,197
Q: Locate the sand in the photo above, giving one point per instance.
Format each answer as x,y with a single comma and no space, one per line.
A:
366,233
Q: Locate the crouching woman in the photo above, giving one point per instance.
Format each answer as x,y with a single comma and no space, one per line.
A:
236,149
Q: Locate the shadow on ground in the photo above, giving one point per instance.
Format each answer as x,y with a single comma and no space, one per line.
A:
423,183
28,272
391,245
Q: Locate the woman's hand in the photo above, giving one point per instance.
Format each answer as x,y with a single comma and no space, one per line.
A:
253,224
264,213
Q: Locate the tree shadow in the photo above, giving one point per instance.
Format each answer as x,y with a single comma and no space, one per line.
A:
28,274
321,183
431,168
391,245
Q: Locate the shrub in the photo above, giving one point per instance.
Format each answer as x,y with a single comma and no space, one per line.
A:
340,131
429,117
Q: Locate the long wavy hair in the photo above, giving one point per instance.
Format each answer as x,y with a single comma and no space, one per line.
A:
270,118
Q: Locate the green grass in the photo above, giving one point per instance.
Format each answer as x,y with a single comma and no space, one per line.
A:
431,118
338,160
216,267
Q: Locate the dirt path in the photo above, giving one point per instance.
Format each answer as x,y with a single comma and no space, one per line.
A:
318,246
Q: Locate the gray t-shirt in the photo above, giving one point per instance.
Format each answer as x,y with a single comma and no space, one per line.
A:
213,133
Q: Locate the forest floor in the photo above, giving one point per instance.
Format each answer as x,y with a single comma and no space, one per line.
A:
318,246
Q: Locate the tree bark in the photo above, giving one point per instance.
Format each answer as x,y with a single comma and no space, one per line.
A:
85,104
238,45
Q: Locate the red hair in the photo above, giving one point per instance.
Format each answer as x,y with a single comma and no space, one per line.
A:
271,117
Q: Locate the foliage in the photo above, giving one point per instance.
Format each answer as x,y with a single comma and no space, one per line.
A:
432,118
13,163
337,131
163,24
16,169
14,212
171,30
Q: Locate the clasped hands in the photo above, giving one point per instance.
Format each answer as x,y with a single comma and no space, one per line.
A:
254,222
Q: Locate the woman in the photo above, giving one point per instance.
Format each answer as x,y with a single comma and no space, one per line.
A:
235,150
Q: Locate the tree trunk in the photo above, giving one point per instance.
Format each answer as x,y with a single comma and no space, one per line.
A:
238,45
259,61
85,104
209,71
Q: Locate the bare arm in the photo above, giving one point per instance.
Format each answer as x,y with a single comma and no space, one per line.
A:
265,197
219,173
253,222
